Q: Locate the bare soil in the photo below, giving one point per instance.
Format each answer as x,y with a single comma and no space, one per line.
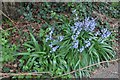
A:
112,71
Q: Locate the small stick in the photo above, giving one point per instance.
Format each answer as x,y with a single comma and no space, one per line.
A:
24,74
9,19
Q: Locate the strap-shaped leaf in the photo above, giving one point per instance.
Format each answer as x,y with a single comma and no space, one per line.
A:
24,54
35,43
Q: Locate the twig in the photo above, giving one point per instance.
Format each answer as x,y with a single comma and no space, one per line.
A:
87,67
9,29
24,74
9,19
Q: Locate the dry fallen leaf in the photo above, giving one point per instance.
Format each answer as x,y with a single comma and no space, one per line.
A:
0,27
15,65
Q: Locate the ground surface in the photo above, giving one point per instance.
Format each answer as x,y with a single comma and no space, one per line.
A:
110,72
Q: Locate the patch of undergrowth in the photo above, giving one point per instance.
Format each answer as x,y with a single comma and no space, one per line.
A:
67,47
109,9
70,39
38,12
7,50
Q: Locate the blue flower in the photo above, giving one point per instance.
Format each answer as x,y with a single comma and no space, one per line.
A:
76,18
75,44
88,44
60,38
81,49
104,30
74,29
51,45
97,33
108,33
86,24
48,38
74,11
54,49
77,23
80,27
74,37
92,25
51,32
77,33
105,33
90,39
89,25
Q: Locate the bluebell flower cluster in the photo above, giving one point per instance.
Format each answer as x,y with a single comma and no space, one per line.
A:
97,33
60,38
105,33
54,49
86,25
50,38
75,44
89,25
76,29
87,43
81,49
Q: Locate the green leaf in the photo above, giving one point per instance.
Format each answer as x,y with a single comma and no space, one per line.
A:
97,56
28,45
30,63
84,59
37,47
39,52
41,33
21,54
76,64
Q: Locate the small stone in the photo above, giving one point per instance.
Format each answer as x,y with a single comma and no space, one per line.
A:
11,70
15,65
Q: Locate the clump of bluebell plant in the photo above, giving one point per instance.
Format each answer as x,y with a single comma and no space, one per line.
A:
88,25
80,37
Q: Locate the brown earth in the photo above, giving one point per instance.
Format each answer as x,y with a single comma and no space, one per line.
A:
112,71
